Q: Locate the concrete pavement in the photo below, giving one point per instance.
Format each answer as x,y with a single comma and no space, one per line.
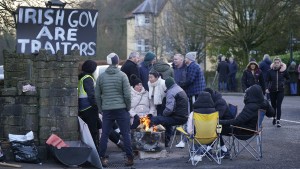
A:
281,147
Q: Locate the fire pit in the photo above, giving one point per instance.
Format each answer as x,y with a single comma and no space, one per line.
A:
148,138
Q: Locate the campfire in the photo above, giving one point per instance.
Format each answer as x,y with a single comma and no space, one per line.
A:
145,125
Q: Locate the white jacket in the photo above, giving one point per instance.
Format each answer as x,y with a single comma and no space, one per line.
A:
141,104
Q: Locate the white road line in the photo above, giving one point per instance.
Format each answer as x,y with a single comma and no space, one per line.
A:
291,121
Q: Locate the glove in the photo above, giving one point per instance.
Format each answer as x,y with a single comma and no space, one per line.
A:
95,108
149,116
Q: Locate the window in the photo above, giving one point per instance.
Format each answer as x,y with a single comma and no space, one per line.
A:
143,45
147,19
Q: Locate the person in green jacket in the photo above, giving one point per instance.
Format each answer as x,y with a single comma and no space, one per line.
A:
113,98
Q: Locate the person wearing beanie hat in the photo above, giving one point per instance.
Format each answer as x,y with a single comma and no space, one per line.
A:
293,73
88,110
113,97
89,66
276,79
141,105
252,75
191,56
112,59
145,68
176,109
169,82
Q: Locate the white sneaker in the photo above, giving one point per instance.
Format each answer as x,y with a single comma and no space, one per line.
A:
181,144
197,158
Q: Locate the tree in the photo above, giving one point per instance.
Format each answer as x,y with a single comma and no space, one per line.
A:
243,25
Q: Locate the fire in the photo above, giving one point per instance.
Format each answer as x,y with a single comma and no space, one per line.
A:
145,121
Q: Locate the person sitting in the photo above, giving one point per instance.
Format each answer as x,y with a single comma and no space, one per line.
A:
176,111
204,105
220,104
141,105
253,100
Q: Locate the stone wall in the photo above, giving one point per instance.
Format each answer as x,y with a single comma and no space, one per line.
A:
52,108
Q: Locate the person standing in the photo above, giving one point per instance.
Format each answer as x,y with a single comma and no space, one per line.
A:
223,70
276,79
299,75
252,75
180,70
114,100
293,73
131,67
164,69
264,66
232,74
145,68
193,78
88,110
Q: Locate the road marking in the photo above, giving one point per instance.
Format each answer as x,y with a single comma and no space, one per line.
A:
291,121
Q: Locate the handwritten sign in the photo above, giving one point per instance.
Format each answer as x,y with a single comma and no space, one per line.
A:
56,29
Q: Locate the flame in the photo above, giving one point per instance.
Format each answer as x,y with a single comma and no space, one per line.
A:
146,122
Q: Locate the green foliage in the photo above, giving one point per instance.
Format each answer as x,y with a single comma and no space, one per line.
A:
286,57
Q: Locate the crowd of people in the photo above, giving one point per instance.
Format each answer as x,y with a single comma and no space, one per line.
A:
167,93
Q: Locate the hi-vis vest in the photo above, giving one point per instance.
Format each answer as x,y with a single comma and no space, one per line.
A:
83,103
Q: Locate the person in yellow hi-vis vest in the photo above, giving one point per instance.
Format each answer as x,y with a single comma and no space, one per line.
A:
87,107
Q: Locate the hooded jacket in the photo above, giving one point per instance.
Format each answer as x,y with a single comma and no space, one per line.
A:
163,68
277,78
249,78
254,100
113,90
204,105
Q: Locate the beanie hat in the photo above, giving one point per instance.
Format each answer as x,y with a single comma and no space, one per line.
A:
149,57
293,63
191,56
169,82
89,66
134,80
112,59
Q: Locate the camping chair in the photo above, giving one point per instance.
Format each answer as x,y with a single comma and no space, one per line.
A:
205,135
233,109
243,142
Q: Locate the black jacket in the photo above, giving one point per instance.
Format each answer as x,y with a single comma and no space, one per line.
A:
129,68
249,79
221,106
204,104
276,79
253,100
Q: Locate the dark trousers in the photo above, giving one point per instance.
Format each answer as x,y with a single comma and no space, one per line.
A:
232,83
276,101
122,117
167,122
91,118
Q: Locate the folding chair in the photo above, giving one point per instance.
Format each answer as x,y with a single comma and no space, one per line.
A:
243,142
233,110
205,135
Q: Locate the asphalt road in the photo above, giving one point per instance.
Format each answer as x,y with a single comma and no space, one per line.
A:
281,147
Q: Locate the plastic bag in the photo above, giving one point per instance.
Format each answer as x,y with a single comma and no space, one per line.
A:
25,151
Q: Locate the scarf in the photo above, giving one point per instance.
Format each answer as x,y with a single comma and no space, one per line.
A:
158,88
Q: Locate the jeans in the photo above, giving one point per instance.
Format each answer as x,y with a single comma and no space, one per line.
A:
276,101
223,86
232,83
167,122
123,120
293,88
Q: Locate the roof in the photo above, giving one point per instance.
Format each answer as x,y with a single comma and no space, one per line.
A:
150,6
